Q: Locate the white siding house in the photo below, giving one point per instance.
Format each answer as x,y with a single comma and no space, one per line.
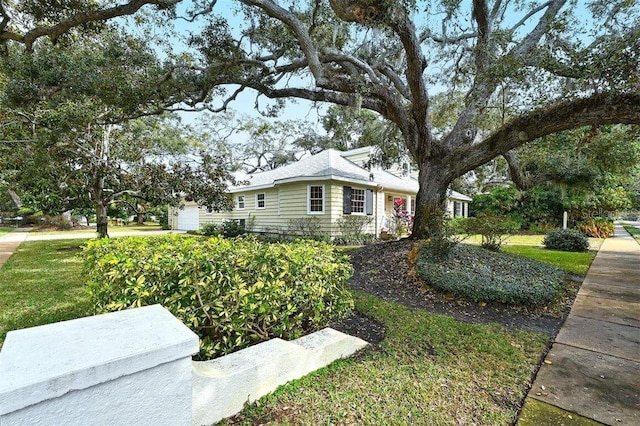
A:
326,187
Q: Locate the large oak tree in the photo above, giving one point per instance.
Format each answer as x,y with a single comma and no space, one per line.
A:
562,64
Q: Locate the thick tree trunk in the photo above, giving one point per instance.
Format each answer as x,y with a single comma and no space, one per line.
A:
431,202
140,218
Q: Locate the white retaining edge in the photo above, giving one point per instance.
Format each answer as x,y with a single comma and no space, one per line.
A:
222,386
44,363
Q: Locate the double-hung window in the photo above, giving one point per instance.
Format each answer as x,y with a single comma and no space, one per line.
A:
241,202
315,199
261,200
357,200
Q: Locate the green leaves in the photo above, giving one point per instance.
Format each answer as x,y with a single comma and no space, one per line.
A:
232,293
485,276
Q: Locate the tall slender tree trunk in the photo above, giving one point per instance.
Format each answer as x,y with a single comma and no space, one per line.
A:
102,220
431,201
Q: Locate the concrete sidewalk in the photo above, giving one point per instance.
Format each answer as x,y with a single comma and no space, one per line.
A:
593,367
10,242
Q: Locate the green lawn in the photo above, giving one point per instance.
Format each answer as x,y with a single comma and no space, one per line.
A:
635,232
41,284
4,230
430,369
575,263
531,240
112,229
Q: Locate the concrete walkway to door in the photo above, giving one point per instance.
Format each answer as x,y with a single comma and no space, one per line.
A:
593,367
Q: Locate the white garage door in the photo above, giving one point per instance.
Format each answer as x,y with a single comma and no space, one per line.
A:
189,218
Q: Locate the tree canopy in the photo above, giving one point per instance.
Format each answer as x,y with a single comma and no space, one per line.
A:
548,66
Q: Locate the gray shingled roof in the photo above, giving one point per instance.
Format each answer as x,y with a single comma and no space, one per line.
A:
329,164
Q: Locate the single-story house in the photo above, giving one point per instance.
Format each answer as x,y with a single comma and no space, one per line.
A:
328,186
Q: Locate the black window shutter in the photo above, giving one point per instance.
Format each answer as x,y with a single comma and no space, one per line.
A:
346,199
368,204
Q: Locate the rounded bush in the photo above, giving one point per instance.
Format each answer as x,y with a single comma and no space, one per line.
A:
232,293
566,240
486,276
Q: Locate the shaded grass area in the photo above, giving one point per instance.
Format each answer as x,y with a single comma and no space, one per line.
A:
574,263
4,230
41,284
429,370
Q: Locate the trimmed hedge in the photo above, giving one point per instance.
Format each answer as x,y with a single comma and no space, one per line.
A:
566,240
232,293
485,276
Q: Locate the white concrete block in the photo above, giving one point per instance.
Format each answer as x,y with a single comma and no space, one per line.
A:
326,346
222,386
59,361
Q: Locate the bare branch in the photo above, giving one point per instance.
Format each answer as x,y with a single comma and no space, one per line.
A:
528,16
527,45
306,44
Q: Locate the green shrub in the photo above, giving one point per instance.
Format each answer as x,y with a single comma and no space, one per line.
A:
494,229
231,229
354,239
232,293
353,225
305,226
210,230
597,228
485,276
566,240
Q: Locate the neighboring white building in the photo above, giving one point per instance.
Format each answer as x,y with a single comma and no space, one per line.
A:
328,186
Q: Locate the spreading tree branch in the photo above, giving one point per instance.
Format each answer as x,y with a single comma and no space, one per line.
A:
599,109
56,30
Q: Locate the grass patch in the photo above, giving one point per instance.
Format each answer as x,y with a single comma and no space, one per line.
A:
535,413
41,284
430,369
485,276
4,231
574,263
530,240
635,232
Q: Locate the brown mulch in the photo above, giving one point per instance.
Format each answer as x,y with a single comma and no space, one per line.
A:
382,269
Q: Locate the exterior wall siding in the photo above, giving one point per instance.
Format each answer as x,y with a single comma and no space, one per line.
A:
288,202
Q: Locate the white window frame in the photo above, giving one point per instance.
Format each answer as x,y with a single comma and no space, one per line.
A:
309,211
364,200
264,201
458,212
244,202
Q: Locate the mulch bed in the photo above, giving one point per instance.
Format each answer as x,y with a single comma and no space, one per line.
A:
381,269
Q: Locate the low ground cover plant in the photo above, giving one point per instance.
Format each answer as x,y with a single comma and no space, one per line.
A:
566,240
485,276
232,293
